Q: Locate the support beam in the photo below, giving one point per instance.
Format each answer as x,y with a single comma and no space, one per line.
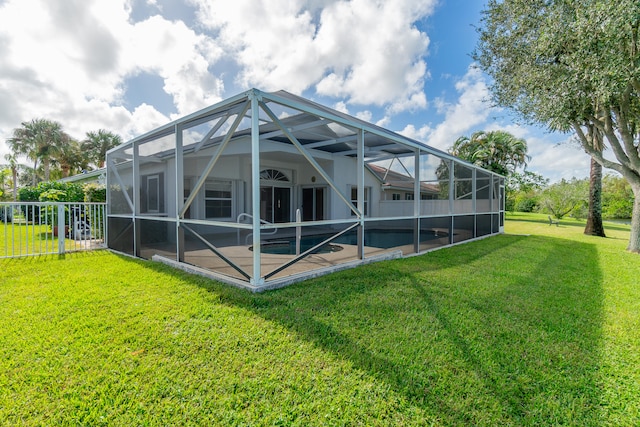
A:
310,159
213,161
303,126
216,251
360,196
116,174
416,201
309,251
179,186
212,131
256,278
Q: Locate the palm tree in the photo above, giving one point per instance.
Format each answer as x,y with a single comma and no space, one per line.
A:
41,141
96,145
497,151
594,226
71,159
13,165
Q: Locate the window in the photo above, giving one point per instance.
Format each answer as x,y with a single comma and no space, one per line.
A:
152,193
354,199
273,175
408,196
218,199
395,196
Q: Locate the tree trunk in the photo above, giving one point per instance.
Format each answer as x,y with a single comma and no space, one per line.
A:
46,168
634,238
14,173
594,225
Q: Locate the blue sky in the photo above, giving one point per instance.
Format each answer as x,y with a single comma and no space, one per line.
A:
132,65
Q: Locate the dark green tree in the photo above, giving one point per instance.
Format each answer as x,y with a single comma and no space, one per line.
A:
96,144
570,65
41,140
497,151
565,197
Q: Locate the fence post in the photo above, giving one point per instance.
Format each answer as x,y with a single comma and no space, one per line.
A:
61,229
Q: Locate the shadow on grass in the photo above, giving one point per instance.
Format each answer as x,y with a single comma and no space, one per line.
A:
506,330
507,336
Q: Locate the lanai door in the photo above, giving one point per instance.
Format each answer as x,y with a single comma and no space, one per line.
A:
275,204
313,204
275,196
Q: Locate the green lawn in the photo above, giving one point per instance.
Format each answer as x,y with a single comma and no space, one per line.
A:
19,239
538,327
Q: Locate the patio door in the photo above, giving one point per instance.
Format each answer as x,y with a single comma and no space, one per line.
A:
313,203
275,204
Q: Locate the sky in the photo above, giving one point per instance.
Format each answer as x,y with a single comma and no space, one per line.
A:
129,66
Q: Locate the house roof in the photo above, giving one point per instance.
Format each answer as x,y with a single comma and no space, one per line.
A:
397,181
87,176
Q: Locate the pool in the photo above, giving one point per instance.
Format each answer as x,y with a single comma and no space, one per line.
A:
285,247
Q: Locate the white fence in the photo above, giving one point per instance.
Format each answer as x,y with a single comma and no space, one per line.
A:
29,229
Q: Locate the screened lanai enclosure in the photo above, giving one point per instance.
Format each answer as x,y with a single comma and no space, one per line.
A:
265,189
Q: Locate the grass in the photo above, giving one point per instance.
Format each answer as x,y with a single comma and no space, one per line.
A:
20,239
538,327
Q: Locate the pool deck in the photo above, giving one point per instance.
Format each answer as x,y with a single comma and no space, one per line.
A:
242,257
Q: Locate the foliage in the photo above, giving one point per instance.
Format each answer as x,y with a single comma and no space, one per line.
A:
41,140
525,202
97,143
14,167
53,195
525,181
617,197
497,151
71,159
94,192
72,192
571,65
566,197
453,337
54,153
522,190
4,184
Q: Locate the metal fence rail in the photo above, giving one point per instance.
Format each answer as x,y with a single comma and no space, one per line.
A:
33,228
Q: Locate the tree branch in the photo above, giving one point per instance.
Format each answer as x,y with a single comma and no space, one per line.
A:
624,128
594,153
614,142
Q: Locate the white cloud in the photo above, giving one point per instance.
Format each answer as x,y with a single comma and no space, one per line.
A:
469,111
341,106
552,156
557,160
68,60
363,51
365,115
420,134
180,56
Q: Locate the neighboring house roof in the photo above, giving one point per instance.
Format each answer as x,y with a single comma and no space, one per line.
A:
98,175
397,181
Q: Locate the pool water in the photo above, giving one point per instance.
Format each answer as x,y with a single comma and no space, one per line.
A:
289,247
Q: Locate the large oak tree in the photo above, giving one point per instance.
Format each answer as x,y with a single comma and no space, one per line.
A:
571,65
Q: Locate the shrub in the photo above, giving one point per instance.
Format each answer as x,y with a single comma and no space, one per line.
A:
72,192
526,203
95,193
50,191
